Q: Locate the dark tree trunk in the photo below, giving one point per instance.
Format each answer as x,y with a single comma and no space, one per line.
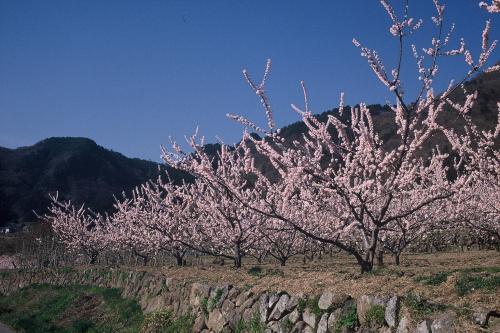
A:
380,258
396,258
283,261
237,256
179,258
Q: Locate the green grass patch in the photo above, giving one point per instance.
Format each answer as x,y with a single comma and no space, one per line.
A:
467,283
162,321
433,280
255,271
259,272
47,308
348,319
419,307
311,304
254,325
375,315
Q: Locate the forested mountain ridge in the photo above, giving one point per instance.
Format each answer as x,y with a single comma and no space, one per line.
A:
78,168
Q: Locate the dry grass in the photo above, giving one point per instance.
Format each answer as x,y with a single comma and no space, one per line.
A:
340,273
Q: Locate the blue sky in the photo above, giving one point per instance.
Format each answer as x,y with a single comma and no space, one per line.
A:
129,74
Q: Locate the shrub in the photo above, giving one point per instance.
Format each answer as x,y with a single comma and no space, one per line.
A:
156,321
255,325
255,271
348,319
375,315
204,305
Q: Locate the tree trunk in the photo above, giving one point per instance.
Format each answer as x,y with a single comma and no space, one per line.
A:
283,261
380,258
237,256
93,258
396,258
178,258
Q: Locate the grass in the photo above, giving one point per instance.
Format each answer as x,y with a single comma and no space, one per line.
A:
254,325
162,321
348,319
469,279
208,304
311,304
375,315
433,280
257,271
77,309
47,308
468,283
421,308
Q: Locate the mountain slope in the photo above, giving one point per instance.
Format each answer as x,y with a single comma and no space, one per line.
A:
76,167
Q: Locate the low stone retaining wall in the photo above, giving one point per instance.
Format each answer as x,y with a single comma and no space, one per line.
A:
224,308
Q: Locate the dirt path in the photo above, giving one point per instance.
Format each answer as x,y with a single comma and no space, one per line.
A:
5,329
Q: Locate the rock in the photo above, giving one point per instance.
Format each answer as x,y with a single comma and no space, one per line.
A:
480,315
216,321
227,306
445,323
424,326
292,303
391,311
298,327
331,300
294,316
332,320
274,326
280,307
325,300
263,310
309,318
308,329
233,292
243,297
199,324
232,317
364,304
248,303
198,292
323,324
384,329
273,298
404,325
223,291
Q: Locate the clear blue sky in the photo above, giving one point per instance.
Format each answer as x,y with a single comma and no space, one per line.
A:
128,74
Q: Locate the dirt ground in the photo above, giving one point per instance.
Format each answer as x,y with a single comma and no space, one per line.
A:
340,273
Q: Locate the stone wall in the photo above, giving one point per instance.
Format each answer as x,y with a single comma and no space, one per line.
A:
224,308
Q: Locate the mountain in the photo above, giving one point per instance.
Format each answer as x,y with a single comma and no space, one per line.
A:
78,168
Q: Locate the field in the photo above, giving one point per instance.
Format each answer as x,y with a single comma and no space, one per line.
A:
460,278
